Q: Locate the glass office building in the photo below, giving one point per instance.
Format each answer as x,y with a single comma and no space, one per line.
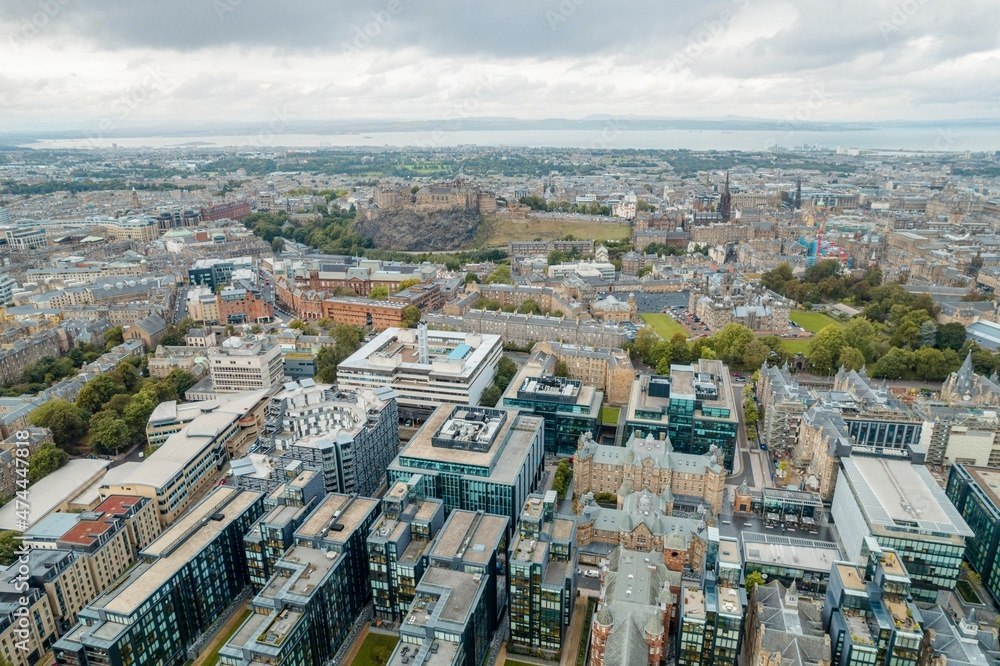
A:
973,491
694,406
474,458
569,407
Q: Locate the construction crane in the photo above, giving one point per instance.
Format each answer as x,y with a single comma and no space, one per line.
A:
819,237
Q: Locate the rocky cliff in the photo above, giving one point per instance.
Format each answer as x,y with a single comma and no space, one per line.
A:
421,232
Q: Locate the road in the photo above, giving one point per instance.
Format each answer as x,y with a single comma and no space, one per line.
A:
180,306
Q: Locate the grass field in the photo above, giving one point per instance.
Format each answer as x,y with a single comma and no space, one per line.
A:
213,657
814,322
663,325
796,346
511,662
366,655
549,229
610,415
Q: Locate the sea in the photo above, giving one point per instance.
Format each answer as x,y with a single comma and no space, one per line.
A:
944,138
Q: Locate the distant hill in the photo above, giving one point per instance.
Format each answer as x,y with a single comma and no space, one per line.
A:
409,230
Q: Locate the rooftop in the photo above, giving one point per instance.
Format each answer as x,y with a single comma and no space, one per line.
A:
336,517
794,553
896,494
52,491
988,480
447,352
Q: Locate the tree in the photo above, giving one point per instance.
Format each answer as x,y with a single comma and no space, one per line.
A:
930,363
64,419
753,579
98,391
928,333
406,284
136,415
108,433
645,341
731,342
530,307
776,279
950,336
562,478
755,354
113,337
45,460
750,415
500,276
561,369
894,364
278,245
181,381
10,542
860,334
644,271
379,293
851,358
824,349
471,277
411,316
491,396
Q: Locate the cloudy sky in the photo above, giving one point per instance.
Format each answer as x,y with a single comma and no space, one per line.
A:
77,63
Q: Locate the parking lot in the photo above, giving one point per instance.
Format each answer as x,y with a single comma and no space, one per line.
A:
656,302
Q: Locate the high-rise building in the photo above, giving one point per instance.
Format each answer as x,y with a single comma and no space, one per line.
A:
426,368
459,602
398,548
245,364
285,510
869,615
309,605
474,458
712,613
542,565
569,407
901,506
351,436
694,407
974,491
189,576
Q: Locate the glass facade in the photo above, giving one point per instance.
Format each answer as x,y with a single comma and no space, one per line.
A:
977,505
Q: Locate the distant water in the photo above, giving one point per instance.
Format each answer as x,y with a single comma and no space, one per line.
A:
944,138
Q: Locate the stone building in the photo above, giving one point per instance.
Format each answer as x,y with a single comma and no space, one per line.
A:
965,386
651,464
608,368
723,299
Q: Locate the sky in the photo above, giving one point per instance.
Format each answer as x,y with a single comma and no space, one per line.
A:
108,64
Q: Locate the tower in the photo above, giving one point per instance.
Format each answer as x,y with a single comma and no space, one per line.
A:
798,193
135,200
726,201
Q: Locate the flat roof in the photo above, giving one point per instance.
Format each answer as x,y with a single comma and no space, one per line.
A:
793,553
988,480
49,493
178,546
442,344
509,444
898,494
469,536
344,510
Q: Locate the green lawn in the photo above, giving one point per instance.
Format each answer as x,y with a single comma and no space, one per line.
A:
220,642
366,653
663,325
796,346
610,415
511,662
814,322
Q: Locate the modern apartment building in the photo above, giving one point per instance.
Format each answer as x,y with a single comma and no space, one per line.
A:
216,272
27,625
285,509
459,601
694,407
245,364
542,564
869,614
309,605
398,548
569,407
474,458
350,436
425,368
712,614
188,577
901,506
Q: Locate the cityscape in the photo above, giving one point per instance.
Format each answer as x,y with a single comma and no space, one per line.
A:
363,336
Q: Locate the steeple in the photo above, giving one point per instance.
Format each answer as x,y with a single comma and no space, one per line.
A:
726,201
966,377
